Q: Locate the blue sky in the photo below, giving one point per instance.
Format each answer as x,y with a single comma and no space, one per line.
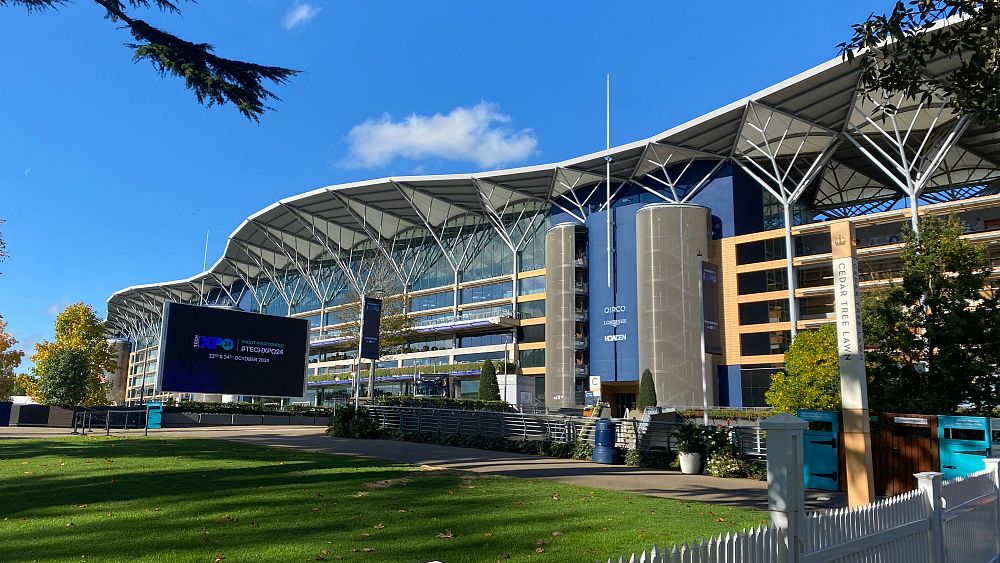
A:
110,175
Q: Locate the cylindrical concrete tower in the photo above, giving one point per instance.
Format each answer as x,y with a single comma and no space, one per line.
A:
668,240
560,315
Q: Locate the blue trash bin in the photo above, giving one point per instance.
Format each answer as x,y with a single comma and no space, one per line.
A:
154,414
604,442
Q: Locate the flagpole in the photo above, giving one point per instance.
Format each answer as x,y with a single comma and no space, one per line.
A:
204,266
607,168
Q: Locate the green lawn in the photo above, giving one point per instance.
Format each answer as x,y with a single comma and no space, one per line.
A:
148,499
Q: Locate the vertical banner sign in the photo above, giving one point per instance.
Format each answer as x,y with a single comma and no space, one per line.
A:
851,354
710,290
371,316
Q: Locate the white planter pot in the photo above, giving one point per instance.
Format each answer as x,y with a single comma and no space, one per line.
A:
690,464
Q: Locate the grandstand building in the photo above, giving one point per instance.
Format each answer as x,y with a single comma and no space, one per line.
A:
583,273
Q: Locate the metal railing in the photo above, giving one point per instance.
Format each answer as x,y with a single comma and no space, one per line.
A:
84,420
630,433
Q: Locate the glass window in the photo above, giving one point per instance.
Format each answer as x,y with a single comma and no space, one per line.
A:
760,251
489,292
532,358
428,345
816,243
531,286
531,309
755,381
816,277
816,307
480,356
435,361
491,339
759,282
765,343
468,388
432,301
774,311
532,333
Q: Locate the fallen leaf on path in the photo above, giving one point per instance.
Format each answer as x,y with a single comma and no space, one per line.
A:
539,550
379,526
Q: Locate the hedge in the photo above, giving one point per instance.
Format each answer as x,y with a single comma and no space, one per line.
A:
443,403
245,408
435,369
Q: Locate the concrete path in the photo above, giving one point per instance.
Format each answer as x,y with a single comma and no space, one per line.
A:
670,484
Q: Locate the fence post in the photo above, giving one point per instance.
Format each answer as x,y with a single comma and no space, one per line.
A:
993,464
929,482
785,480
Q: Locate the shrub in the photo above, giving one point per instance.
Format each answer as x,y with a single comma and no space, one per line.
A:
647,392
245,408
725,464
652,459
690,439
583,450
489,389
347,422
443,403
757,469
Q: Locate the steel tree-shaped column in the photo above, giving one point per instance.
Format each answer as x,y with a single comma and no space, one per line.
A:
784,154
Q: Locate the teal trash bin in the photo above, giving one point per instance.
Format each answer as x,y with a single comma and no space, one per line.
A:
604,441
963,443
154,414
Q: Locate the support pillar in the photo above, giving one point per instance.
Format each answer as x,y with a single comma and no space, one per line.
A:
785,477
851,357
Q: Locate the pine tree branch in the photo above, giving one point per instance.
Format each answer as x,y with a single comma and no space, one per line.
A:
213,79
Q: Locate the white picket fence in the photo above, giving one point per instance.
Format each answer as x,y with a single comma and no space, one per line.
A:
955,521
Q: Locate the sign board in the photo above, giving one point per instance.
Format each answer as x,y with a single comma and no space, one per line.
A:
232,352
371,318
710,300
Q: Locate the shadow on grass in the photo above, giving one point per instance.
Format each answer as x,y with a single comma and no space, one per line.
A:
283,505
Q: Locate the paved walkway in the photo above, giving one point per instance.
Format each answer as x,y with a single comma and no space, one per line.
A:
670,484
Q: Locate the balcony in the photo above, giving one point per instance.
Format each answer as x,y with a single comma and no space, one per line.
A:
581,369
580,342
580,261
581,288
580,316
467,319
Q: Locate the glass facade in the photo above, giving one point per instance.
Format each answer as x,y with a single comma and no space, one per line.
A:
531,286
490,292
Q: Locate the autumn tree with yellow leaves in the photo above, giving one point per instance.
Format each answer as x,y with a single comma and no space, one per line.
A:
9,360
77,328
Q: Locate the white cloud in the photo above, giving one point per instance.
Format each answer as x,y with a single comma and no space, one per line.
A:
27,171
480,134
56,308
300,14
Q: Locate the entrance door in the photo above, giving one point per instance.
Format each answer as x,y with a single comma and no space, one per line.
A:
624,401
902,444
821,451
963,442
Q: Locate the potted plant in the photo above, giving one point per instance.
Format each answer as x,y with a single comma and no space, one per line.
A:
690,439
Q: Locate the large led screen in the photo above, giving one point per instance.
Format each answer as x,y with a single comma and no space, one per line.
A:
217,350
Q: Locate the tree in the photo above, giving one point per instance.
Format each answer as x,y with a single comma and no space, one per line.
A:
895,52
395,327
67,377
213,79
9,360
811,379
489,389
934,340
647,392
79,328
